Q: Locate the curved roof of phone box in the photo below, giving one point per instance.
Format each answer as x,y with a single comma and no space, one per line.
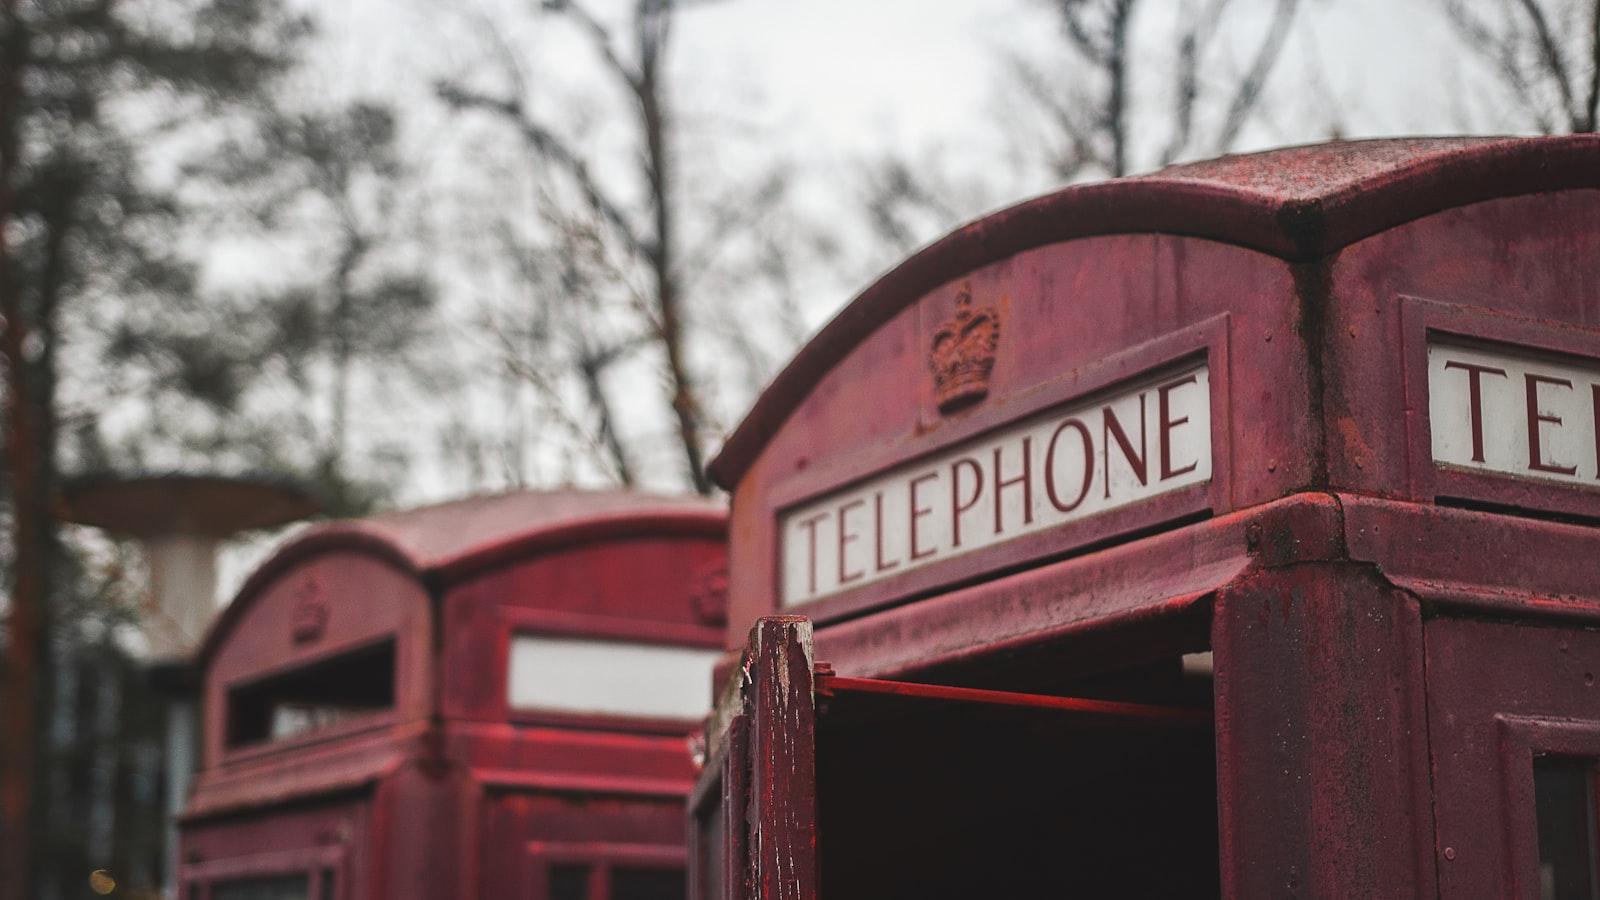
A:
1297,203
450,541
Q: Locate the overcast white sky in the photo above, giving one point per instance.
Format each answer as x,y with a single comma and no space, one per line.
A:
840,81
859,74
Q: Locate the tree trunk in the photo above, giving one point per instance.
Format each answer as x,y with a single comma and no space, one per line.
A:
591,368
341,353
1591,105
653,21
19,733
1117,98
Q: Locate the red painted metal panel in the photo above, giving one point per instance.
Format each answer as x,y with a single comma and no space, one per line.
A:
1302,203
357,600
527,831
1311,281
1321,738
329,836
1513,269
1077,317
654,589
449,541
1500,695
449,793
1480,561
1320,387
1206,341
783,781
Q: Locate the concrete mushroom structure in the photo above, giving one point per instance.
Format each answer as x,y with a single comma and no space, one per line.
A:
180,521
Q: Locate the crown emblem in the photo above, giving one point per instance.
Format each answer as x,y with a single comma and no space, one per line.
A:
962,355
310,612
710,596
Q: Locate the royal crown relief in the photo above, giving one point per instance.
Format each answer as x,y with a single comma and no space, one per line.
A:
310,617
1117,447
962,354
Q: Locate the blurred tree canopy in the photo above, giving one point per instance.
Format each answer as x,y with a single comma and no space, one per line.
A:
87,89
651,261
1545,55
320,186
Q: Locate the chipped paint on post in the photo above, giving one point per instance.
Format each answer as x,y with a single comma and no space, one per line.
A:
783,839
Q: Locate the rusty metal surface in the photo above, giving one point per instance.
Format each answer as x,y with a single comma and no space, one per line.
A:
1316,362
455,540
1317,632
1332,557
756,802
1161,577
1321,738
781,706
1516,271
1500,695
1297,204
1096,311
1477,561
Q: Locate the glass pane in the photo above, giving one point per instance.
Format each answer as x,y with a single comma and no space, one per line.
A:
276,887
569,882
320,695
647,884
1564,794
712,851
614,678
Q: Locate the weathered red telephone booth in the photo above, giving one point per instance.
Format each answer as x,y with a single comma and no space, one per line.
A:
1233,531
485,698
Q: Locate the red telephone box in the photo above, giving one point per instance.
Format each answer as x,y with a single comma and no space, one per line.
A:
1232,531
485,698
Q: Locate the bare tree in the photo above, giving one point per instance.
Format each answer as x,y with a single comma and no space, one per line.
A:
82,229
908,200
609,236
1092,125
358,304
1078,116
1545,53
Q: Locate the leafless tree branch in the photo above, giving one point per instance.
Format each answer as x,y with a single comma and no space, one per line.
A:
1066,116
552,148
600,36
1591,106
1195,31
1550,55
1115,118
1525,49
1095,48
1248,91
752,205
